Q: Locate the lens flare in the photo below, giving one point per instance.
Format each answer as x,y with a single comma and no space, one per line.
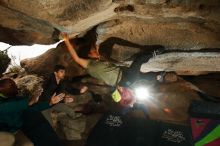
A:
142,93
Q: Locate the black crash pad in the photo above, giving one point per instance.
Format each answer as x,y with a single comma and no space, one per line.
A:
205,109
114,129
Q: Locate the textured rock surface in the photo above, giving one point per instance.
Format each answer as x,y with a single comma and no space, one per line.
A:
35,21
188,29
28,84
18,28
123,28
44,64
195,62
184,63
171,102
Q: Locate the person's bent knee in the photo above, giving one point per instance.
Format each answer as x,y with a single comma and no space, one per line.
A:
6,139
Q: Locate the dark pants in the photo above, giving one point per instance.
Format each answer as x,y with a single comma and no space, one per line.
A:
136,106
131,74
206,97
38,130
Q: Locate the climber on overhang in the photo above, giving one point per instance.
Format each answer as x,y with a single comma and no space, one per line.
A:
110,73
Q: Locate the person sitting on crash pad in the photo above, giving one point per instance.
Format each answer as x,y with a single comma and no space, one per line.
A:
55,85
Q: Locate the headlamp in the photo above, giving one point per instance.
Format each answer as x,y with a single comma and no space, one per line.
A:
142,93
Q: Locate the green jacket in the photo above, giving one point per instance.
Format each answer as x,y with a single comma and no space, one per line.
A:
11,112
105,71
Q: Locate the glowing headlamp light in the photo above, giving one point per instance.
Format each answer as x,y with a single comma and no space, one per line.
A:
142,93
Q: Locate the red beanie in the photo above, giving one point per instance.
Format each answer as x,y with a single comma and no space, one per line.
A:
127,97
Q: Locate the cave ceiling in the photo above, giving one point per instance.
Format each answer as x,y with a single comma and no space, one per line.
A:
188,29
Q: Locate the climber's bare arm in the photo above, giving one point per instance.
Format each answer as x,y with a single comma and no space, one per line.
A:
97,50
81,61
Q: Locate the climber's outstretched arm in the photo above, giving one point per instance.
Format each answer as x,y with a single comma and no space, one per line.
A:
81,61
